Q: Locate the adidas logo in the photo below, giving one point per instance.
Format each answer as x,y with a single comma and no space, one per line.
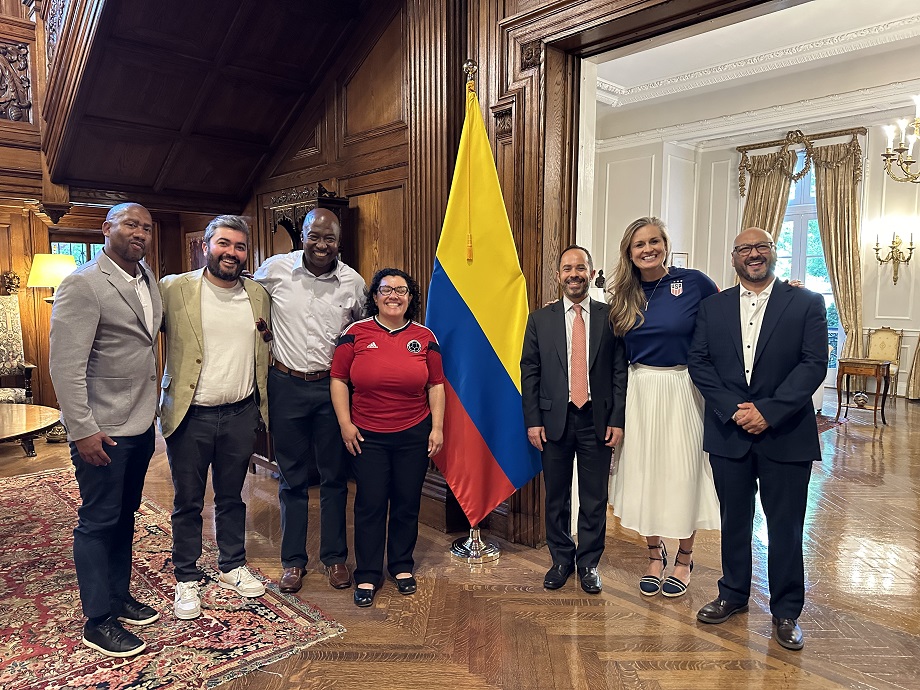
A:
372,346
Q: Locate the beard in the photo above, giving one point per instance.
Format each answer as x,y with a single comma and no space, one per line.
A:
575,289
219,271
760,274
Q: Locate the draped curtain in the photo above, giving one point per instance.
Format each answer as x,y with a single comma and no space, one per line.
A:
838,169
913,383
768,192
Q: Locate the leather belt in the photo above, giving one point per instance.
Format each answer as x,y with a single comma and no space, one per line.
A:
305,375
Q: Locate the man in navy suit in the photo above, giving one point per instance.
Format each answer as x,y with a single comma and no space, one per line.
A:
573,388
759,351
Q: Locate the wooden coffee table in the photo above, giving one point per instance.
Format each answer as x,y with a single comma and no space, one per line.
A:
24,422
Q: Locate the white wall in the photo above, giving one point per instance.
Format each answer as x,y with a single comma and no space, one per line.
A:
696,191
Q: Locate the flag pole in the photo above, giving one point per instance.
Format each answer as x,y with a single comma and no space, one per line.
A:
473,549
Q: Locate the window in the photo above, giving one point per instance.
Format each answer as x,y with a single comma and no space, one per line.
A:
800,254
82,250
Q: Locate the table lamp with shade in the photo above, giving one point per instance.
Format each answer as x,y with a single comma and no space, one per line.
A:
48,270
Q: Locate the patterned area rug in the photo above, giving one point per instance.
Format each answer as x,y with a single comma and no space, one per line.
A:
41,623
825,423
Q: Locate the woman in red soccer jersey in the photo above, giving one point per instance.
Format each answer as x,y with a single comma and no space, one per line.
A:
393,425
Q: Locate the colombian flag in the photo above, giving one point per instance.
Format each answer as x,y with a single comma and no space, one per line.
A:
477,308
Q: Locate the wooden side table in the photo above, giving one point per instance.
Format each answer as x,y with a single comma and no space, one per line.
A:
24,422
878,368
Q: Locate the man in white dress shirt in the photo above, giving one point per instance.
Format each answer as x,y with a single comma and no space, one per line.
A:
758,352
314,296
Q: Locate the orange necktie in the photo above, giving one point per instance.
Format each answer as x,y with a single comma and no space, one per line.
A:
579,382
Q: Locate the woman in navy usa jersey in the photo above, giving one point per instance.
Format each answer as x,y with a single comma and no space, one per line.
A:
661,484
393,424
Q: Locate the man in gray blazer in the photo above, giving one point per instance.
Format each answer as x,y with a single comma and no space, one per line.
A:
103,365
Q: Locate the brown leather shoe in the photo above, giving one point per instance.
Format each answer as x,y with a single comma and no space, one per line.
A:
339,577
291,580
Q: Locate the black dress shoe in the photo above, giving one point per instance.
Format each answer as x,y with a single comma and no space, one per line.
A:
787,632
134,612
364,597
109,638
406,585
719,611
557,576
590,580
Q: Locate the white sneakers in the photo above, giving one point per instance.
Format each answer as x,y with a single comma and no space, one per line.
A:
187,604
188,601
241,581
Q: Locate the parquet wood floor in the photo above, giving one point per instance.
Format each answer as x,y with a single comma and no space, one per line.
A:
496,627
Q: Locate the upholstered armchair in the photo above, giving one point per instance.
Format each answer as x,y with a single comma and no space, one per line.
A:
15,372
885,343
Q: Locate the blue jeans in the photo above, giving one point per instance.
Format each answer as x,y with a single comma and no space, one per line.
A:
104,535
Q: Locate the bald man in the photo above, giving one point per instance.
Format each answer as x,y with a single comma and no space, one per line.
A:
758,353
314,296
104,324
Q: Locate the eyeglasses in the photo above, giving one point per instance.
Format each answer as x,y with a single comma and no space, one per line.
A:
387,290
761,247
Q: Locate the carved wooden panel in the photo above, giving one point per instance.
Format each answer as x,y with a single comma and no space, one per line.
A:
373,97
15,82
376,215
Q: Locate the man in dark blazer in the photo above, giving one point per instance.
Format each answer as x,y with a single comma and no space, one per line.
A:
103,365
573,388
759,352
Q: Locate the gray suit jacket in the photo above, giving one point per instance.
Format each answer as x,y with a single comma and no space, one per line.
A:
102,357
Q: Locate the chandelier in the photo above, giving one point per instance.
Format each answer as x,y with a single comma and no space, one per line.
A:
901,155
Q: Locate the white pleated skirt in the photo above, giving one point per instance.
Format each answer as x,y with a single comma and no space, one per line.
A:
662,482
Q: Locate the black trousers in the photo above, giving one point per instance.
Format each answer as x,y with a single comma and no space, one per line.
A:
389,473
104,536
784,496
303,426
222,438
578,440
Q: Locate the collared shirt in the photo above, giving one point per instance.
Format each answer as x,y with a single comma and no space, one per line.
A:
142,288
753,307
569,322
309,312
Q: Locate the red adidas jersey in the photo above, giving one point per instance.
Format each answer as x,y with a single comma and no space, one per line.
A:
390,371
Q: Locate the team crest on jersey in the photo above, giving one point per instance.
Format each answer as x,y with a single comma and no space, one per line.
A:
414,346
677,288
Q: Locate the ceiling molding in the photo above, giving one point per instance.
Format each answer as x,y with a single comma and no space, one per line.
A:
616,95
717,131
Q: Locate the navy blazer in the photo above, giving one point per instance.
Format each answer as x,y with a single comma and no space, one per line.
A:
545,374
789,364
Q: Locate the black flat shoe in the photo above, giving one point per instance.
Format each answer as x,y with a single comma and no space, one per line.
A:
406,585
787,632
590,580
557,576
364,597
719,611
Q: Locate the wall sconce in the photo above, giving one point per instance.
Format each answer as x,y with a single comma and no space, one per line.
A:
48,270
895,255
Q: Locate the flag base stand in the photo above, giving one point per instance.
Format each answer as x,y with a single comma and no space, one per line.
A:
474,550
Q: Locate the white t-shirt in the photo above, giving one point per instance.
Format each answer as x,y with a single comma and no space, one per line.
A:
228,358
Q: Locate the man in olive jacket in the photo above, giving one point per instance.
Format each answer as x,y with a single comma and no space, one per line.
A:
213,392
